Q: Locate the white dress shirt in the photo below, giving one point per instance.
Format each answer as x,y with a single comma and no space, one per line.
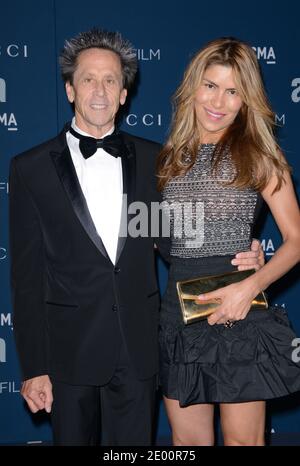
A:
100,178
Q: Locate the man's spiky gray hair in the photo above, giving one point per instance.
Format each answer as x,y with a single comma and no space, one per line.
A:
99,38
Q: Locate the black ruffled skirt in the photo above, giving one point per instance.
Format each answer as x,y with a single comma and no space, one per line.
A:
200,363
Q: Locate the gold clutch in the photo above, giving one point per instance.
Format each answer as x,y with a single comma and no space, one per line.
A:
189,290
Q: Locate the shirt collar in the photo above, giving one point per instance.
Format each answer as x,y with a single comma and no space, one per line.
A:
75,127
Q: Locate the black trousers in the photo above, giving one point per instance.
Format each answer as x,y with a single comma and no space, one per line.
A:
119,413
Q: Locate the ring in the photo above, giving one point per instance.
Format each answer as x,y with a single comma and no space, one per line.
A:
229,323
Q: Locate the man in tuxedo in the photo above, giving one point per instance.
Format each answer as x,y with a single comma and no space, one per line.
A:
85,297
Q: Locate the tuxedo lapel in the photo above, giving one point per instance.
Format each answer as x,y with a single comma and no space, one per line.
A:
67,174
129,177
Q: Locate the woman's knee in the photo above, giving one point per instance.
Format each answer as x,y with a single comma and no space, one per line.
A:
247,441
183,439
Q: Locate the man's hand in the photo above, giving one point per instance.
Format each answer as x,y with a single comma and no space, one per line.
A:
253,259
38,393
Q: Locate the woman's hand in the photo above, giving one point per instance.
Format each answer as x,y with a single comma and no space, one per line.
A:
253,259
235,300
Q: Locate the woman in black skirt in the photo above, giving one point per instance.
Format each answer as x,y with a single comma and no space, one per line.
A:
220,163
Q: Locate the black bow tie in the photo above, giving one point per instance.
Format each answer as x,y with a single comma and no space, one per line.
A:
113,144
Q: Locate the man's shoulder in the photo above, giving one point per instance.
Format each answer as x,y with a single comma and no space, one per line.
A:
139,141
40,150
36,151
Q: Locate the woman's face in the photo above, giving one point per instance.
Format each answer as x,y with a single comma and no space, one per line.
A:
217,102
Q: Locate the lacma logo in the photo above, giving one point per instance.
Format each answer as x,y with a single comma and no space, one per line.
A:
7,119
2,90
2,350
265,53
268,247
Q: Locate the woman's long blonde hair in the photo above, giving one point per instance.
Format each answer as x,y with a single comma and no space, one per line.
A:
250,138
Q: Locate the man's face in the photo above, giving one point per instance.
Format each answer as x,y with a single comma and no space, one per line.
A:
97,90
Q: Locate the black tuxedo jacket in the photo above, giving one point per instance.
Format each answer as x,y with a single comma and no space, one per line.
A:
69,300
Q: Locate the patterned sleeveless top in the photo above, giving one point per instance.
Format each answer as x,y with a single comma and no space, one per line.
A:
208,218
